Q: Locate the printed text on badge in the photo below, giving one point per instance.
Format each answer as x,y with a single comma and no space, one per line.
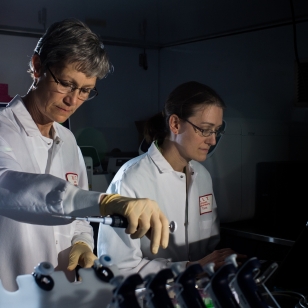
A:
205,204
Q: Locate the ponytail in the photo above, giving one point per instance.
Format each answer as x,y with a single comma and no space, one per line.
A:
155,129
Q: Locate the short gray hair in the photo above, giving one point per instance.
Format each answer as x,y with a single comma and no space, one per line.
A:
71,41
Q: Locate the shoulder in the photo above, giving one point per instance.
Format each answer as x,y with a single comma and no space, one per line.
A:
8,121
133,167
132,178
7,117
7,112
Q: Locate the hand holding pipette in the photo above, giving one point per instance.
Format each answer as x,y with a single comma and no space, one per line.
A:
115,221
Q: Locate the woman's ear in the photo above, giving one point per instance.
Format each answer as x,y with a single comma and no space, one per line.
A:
174,124
37,66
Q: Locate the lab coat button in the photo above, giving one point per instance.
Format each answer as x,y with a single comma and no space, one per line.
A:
181,176
56,241
57,142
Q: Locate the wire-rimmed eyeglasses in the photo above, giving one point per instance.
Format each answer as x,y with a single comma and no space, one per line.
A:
65,87
206,132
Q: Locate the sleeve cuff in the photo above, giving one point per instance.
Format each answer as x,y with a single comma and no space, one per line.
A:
76,241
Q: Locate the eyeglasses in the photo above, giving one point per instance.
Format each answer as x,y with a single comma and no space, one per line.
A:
206,132
65,87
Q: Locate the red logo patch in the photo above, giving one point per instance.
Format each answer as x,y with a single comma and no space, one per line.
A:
72,178
205,204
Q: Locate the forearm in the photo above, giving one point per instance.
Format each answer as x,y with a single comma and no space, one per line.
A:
32,198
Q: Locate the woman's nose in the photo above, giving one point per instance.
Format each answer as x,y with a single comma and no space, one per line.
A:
71,98
211,139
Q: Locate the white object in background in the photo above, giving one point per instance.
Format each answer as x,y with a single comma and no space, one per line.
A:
89,166
89,292
97,182
90,151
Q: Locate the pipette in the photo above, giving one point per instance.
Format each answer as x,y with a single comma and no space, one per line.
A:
115,221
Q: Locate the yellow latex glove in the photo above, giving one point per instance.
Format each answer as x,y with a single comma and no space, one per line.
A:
82,255
142,215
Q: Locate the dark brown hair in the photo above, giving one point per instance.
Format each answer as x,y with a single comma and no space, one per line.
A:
181,102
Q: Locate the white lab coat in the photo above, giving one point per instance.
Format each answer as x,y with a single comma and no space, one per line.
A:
151,176
34,183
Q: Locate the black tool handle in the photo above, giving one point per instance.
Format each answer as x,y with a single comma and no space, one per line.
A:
118,221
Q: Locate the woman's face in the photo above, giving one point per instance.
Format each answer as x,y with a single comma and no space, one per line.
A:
189,141
54,106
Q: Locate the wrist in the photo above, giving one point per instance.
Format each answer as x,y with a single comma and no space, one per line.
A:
101,197
83,244
109,199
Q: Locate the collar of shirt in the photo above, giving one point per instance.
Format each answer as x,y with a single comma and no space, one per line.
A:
21,113
161,163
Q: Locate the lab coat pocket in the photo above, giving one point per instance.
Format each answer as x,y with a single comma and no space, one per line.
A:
205,226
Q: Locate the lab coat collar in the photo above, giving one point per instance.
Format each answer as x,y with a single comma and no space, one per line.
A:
161,163
22,114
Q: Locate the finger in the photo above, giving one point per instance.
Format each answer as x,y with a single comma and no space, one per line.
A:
73,262
219,264
143,227
156,233
226,250
240,256
165,231
229,253
88,259
132,224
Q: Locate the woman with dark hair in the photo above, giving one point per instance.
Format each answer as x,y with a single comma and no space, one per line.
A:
170,173
42,171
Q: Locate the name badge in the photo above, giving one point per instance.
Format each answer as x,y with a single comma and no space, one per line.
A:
205,204
72,178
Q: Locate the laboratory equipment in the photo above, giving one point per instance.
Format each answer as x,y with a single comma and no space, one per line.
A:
115,221
218,287
245,285
105,269
124,293
47,288
102,286
185,289
156,295
42,275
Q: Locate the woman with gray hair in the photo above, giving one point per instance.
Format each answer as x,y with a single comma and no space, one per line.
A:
42,171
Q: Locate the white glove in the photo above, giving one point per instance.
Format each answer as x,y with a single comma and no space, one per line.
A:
142,215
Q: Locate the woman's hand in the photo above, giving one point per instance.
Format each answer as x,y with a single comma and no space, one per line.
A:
218,258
